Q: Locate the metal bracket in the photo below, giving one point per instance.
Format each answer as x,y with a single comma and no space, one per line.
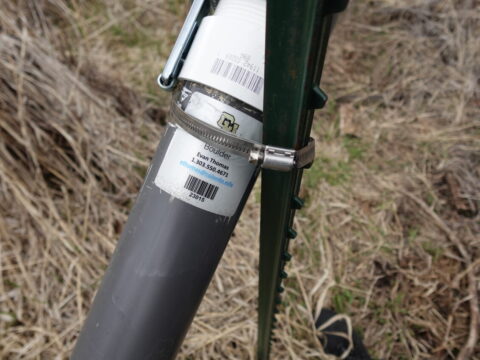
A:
168,78
267,156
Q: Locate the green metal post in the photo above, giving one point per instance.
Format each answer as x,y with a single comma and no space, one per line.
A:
296,41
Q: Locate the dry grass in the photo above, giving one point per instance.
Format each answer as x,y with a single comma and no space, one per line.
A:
390,235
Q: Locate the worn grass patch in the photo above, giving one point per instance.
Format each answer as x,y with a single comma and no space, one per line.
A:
390,232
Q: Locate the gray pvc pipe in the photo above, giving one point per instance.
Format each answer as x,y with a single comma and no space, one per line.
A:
158,275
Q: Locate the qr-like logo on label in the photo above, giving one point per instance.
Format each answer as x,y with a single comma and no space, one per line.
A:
227,123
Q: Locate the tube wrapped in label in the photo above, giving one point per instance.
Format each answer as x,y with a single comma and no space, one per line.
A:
190,201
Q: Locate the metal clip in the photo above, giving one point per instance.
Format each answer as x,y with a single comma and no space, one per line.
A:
168,78
273,158
282,159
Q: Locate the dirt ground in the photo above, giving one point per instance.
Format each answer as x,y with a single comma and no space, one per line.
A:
390,233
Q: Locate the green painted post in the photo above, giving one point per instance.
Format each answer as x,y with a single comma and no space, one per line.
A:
296,41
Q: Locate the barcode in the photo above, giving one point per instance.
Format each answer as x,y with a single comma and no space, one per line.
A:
238,74
201,187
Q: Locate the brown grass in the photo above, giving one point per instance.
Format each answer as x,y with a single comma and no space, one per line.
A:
390,233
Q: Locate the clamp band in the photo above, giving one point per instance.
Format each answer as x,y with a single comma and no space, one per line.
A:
268,157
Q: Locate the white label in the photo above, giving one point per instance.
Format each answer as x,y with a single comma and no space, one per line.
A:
228,55
201,174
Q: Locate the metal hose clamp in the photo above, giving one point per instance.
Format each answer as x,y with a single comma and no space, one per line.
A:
266,156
